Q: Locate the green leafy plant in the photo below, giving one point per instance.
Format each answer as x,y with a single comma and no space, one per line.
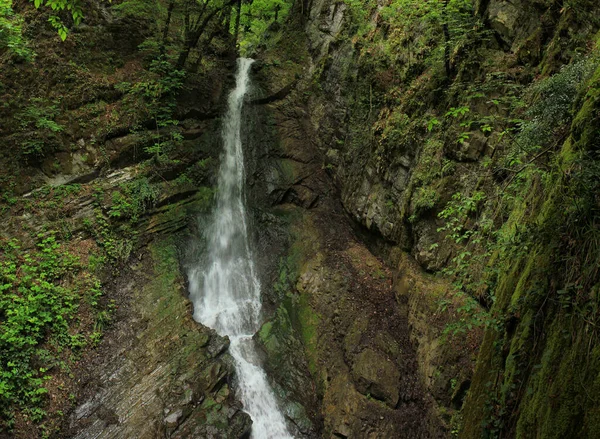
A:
433,122
133,199
74,8
11,33
433,30
39,127
550,111
424,199
457,112
154,98
457,212
38,310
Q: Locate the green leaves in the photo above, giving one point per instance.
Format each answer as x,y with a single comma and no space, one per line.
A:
256,18
39,127
134,199
463,137
61,5
417,28
433,122
37,308
62,31
486,128
11,36
59,26
457,111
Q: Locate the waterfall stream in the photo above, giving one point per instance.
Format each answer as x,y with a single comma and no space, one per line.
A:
226,291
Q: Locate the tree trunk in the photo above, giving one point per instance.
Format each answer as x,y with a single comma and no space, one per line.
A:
167,24
183,56
197,29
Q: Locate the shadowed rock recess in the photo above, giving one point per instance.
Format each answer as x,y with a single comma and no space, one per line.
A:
390,218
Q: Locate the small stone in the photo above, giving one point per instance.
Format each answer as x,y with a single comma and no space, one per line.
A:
173,419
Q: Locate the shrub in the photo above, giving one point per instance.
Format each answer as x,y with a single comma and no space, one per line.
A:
551,109
37,308
133,199
40,129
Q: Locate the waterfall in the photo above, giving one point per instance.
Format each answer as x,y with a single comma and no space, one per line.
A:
226,291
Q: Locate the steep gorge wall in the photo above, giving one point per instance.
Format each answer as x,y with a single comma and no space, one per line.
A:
427,161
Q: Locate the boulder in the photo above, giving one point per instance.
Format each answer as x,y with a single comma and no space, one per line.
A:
376,375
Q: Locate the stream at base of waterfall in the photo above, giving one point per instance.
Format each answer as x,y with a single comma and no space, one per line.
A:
226,291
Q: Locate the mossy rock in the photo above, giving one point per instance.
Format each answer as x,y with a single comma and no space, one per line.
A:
377,376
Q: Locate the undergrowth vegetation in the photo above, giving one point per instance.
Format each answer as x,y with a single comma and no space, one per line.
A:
523,158
49,306
39,127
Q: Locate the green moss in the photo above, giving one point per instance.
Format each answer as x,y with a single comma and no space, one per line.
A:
540,383
524,279
275,336
166,267
309,323
561,392
163,303
424,199
215,416
476,407
585,128
288,170
265,332
430,164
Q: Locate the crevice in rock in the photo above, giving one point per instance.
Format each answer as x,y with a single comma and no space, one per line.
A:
281,94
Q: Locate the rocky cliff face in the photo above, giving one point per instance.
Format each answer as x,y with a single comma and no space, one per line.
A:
340,312
470,170
159,373
338,343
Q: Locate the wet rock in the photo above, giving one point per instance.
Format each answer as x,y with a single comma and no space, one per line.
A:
428,253
469,150
173,213
215,420
213,376
218,345
297,413
173,419
377,376
504,16
286,364
160,375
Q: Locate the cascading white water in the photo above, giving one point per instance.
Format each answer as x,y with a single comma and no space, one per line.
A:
226,292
